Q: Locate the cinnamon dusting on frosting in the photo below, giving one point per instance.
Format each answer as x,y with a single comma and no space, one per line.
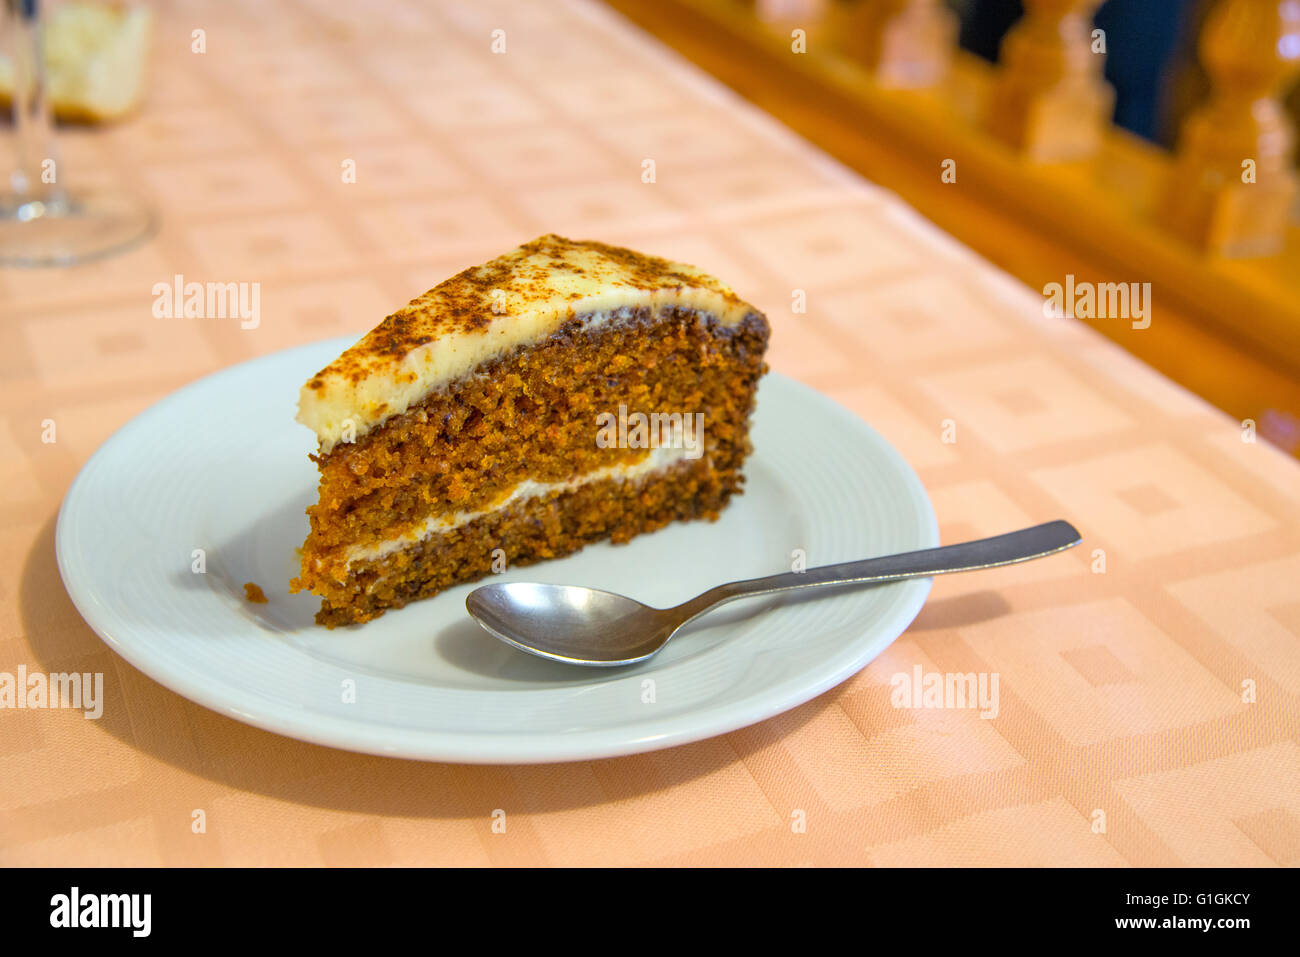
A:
512,300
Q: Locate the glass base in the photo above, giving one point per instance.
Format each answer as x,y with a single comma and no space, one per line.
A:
73,228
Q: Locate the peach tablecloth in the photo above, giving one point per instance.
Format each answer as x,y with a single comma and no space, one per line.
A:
1127,730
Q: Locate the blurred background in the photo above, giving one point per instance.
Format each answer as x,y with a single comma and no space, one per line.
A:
1151,58
1130,141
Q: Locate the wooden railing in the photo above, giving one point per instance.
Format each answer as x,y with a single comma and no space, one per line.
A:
1047,184
1233,187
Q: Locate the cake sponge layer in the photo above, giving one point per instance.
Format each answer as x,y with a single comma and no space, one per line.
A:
530,531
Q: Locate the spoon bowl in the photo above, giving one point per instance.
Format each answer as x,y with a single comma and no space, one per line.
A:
571,623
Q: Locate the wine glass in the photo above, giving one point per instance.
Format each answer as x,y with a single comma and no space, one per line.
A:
41,222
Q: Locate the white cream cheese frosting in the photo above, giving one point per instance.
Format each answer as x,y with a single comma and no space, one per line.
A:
516,299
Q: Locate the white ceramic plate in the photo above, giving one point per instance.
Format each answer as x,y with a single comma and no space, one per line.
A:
221,466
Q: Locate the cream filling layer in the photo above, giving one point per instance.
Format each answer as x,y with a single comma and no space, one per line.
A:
660,459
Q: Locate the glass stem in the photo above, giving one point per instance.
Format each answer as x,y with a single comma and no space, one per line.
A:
35,178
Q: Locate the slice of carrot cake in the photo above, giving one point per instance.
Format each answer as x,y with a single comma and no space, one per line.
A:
563,393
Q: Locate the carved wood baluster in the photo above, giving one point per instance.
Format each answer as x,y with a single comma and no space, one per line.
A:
904,43
1049,99
1233,180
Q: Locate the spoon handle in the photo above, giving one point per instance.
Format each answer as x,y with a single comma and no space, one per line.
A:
1005,549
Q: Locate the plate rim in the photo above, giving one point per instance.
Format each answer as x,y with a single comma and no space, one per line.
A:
462,747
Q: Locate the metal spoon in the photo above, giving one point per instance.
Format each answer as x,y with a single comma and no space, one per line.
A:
585,626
